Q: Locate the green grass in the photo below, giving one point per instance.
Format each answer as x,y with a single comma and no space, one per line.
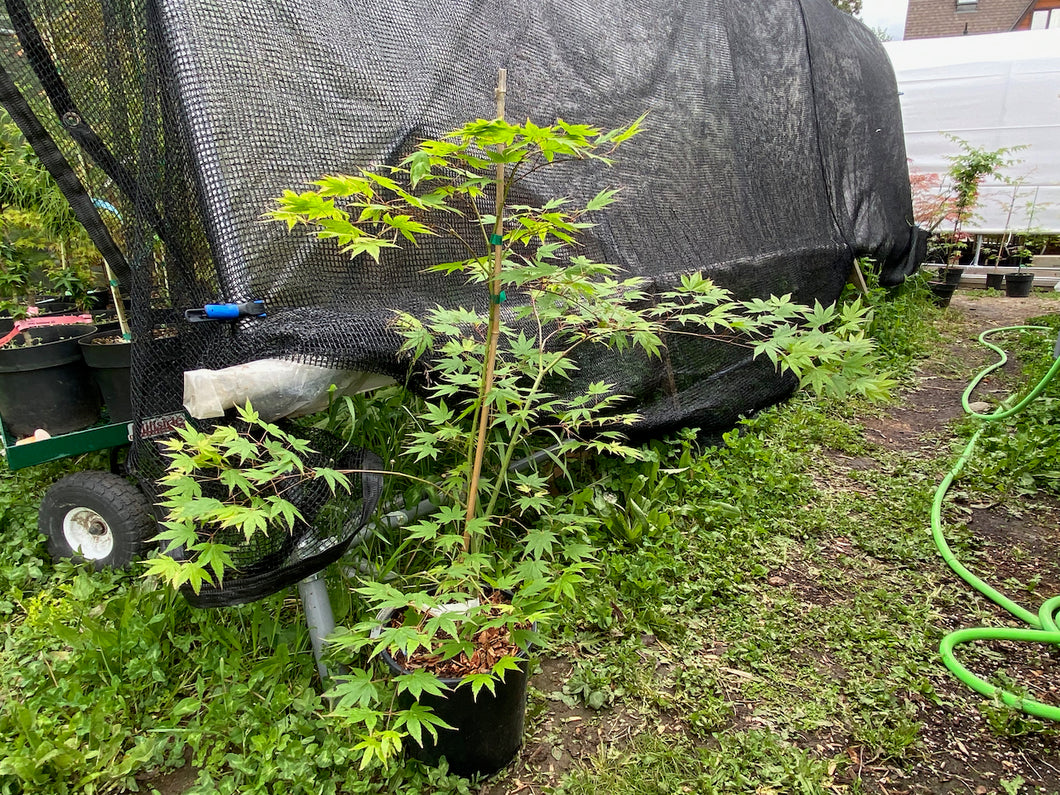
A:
735,762
815,615
105,677
792,607
779,593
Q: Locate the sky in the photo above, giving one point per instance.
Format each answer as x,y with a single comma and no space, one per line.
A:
886,14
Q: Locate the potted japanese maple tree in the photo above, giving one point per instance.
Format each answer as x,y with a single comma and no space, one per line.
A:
438,664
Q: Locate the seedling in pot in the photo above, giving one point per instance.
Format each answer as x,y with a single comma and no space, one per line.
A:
940,203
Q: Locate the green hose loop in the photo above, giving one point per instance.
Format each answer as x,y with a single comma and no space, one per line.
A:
1028,705
947,554
1005,414
1044,624
1047,614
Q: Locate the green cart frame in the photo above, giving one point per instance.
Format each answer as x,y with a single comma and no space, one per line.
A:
94,515
98,437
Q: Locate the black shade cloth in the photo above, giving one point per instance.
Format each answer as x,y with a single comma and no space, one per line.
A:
773,154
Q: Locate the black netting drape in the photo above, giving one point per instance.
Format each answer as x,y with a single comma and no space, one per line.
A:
773,154
279,558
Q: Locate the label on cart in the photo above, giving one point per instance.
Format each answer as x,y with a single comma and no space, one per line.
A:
161,426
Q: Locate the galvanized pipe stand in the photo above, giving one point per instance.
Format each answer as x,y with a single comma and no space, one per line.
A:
321,621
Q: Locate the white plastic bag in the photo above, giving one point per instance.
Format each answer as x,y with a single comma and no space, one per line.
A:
276,388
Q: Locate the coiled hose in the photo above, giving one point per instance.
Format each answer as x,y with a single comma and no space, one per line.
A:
1044,624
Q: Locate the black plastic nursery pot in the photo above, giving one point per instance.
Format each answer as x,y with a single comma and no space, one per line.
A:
52,308
110,363
1018,285
98,300
995,281
941,292
488,729
45,384
951,275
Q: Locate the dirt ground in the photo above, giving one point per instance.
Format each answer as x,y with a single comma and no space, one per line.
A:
961,753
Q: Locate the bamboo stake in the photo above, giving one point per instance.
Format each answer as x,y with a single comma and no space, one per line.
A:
857,278
494,328
119,307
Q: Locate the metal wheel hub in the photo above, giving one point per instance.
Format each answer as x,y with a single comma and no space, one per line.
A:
88,534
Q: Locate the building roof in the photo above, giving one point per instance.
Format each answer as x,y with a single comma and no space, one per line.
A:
935,18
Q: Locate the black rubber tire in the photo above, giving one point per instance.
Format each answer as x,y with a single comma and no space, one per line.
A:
106,511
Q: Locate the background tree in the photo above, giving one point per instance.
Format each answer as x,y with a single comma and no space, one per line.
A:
852,7
43,247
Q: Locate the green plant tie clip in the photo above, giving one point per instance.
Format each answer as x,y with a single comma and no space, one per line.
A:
114,282
500,297
496,240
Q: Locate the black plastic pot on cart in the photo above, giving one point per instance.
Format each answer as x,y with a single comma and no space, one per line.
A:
98,300
1018,285
44,382
109,357
52,307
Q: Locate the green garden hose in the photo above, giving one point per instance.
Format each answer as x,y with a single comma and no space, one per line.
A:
1044,623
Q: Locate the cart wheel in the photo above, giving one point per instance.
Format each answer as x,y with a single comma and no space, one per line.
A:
96,516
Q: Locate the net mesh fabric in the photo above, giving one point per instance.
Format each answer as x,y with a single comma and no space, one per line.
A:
772,155
327,524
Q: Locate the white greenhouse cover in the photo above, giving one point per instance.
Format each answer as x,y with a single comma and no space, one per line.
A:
999,90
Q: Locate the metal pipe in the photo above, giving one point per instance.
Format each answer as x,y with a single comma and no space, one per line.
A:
319,618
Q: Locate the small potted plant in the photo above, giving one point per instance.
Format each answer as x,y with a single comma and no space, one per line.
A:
952,201
996,279
438,666
1018,284
991,253
956,248
933,206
